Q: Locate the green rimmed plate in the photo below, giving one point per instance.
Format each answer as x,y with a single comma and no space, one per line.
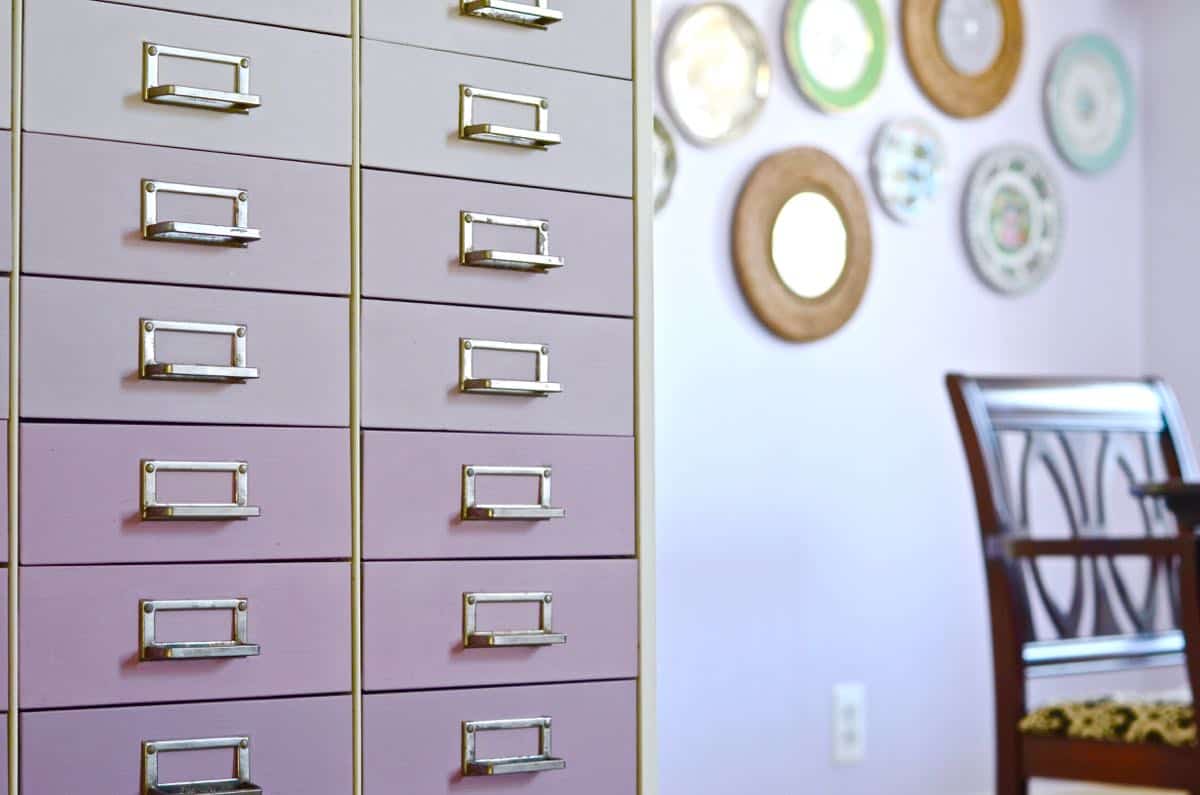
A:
837,50
1090,103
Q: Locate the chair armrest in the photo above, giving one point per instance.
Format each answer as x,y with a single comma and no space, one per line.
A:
1161,547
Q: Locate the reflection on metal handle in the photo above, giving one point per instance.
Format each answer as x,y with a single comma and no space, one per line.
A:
152,509
538,138
542,636
240,100
239,235
152,649
467,382
240,784
539,763
235,372
532,15
543,510
507,260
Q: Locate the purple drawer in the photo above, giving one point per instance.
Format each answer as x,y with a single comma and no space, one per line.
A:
412,227
81,625
415,614
80,357
417,738
297,746
413,487
5,196
300,210
411,370
299,479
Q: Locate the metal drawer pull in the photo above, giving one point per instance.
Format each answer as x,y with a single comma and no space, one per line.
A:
154,510
240,100
538,138
542,636
239,235
151,649
467,382
508,260
532,15
543,510
539,763
235,372
240,784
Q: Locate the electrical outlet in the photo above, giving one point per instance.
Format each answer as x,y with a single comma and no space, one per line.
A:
849,723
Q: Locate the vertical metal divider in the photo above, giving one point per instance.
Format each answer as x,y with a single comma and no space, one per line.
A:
356,567
14,408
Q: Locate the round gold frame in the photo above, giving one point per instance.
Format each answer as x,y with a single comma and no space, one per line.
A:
960,95
775,180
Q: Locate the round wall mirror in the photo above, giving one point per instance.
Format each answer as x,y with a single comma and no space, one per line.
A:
808,244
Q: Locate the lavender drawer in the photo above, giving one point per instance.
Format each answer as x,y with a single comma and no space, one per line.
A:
413,486
319,15
413,225
81,625
300,209
5,205
411,370
81,359
299,478
417,738
297,746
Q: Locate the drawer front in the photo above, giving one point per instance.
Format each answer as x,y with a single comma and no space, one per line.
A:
322,15
94,189
6,209
417,738
297,478
418,129
82,359
82,624
420,515
413,227
299,746
84,77
411,370
591,36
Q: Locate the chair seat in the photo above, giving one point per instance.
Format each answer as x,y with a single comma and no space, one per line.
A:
1170,723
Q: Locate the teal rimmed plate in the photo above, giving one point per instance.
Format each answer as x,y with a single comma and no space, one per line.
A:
1090,103
837,50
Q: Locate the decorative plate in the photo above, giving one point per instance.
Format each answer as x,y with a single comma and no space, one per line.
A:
965,54
715,72
908,166
1013,219
1090,103
837,50
802,243
664,164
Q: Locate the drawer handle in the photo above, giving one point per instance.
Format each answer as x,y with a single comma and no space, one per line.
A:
539,763
239,235
543,510
236,372
468,130
153,510
240,784
467,382
541,262
152,649
240,100
542,636
531,15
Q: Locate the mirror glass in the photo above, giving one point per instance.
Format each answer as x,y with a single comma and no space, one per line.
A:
808,244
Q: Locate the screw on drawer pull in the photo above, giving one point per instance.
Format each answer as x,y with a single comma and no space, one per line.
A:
467,382
531,15
239,235
235,372
538,763
154,510
240,784
541,262
240,100
472,510
153,649
473,638
468,130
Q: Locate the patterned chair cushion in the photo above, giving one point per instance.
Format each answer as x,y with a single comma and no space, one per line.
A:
1155,722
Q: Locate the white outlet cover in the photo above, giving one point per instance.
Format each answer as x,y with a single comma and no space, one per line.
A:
849,723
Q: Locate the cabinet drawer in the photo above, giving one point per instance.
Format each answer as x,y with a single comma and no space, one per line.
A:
412,370
81,625
82,354
297,479
299,746
591,35
418,129
417,738
414,226
85,209
414,489
322,15
6,207
84,76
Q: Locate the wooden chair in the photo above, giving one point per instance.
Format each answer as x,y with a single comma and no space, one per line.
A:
1077,432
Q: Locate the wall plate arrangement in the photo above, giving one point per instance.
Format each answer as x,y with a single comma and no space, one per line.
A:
715,71
837,50
664,164
802,243
1090,103
908,167
1013,219
965,54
